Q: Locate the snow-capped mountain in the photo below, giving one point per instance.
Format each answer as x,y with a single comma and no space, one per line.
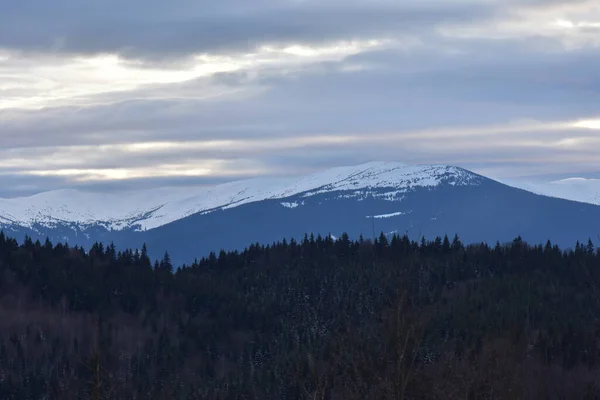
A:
150,209
423,200
576,189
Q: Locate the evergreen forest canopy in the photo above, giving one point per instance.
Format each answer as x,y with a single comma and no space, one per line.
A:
315,319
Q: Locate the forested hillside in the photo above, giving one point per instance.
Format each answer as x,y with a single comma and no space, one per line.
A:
316,319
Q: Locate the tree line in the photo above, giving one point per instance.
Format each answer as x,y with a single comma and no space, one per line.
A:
318,318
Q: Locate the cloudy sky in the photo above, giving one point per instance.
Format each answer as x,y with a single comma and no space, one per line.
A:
108,94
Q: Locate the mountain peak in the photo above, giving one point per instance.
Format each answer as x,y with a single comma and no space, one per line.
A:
391,175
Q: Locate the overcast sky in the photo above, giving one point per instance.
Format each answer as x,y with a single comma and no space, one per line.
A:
108,94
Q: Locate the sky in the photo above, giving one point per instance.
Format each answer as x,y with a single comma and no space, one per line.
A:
111,95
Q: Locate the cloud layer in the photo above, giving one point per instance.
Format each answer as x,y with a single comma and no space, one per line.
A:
119,95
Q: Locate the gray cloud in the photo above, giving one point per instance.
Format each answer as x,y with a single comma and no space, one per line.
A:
156,29
19,185
160,30
397,95
401,95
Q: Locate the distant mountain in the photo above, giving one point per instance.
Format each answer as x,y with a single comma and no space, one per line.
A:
576,189
363,200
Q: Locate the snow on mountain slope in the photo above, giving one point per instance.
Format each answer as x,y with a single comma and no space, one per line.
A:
576,189
153,208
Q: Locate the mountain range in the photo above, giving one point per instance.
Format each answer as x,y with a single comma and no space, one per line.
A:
419,200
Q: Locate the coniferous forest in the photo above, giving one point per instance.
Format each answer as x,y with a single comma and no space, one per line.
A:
314,319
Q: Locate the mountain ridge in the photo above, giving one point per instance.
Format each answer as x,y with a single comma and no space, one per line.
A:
150,209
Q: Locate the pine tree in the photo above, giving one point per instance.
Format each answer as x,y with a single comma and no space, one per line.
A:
446,245
590,248
166,264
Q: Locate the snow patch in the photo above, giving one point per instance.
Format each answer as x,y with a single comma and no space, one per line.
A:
291,204
396,214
